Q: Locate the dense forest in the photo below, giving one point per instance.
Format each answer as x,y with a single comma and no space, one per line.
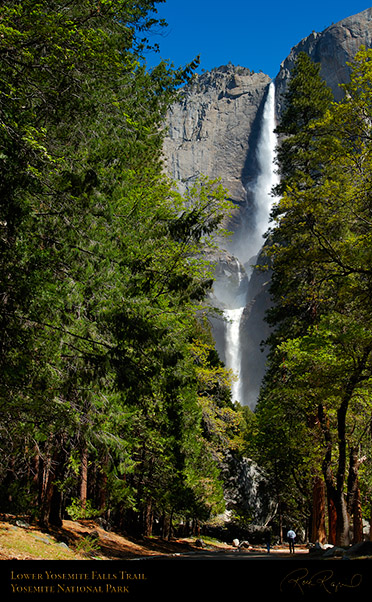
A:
314,416
114,402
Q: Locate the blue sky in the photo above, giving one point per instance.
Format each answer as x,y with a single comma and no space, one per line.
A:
258,35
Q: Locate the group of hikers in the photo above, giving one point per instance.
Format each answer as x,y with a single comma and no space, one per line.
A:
291,536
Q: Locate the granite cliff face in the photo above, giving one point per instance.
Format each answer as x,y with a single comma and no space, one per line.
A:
214,130
333,48
211,129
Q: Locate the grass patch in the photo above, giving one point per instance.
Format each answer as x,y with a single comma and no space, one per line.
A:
29,543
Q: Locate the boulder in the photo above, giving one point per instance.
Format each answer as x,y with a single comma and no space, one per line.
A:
43,539
363,548
333,552
200,543
23,524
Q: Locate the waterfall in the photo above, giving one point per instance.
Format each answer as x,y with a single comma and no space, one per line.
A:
262,202
233,348
233,315
267,178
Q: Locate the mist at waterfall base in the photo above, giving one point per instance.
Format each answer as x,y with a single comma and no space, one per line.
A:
235,296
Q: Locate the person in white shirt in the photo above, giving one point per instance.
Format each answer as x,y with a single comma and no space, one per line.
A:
291,536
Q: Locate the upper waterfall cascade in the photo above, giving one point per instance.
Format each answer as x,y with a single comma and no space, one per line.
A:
267,176
262,203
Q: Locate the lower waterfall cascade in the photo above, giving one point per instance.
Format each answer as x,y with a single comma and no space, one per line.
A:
262,202
233,348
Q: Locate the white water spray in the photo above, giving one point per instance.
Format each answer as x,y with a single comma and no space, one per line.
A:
267,178
262,200
233,348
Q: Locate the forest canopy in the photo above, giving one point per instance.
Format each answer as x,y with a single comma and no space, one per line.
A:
315,410
113,400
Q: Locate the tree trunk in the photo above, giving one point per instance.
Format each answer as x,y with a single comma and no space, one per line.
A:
353,495
195,527
343,522
337,508
318,530
280,523
170,525
84,477
103,492
147,519
338,518
51,506
165,527
36,470
358,519
332,521
51,511
102,487
337,493
55,514
328,475
9,479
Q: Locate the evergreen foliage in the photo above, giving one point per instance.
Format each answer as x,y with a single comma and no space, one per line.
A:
113,400
315,406
102,278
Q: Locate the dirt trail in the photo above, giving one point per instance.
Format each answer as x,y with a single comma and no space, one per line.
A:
84,540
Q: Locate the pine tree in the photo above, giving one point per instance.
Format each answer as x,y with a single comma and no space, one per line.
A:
300,166
307,99
293,286
321,354
101,270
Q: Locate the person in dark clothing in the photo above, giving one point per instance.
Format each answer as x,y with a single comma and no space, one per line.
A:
268,542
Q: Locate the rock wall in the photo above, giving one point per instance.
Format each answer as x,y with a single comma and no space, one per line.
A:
333,48
213,130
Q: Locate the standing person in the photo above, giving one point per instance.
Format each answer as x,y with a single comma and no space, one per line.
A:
268,542
291,536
